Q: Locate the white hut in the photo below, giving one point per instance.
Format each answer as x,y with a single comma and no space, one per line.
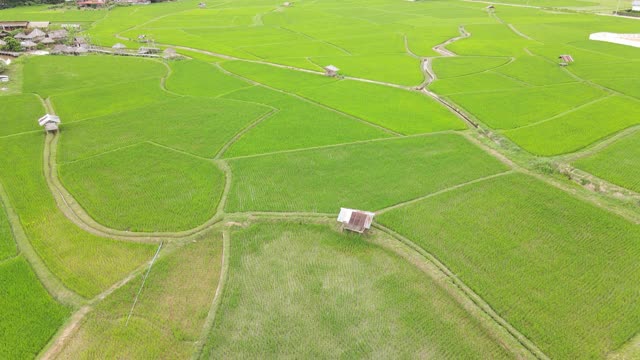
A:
119,48
169,53
331,70
49,122
355,220
635,5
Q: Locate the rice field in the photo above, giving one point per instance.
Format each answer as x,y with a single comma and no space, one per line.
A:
560,270
617,163
28,315
308,291
85,263
323,180
142,188
169,314
246,143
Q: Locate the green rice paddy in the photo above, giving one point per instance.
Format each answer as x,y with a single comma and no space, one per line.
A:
186,208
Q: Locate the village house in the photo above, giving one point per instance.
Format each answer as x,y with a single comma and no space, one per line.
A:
13,25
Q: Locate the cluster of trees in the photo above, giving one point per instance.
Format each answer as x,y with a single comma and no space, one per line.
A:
13,3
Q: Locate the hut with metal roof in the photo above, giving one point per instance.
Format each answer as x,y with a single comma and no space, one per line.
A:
49,122
355,220
331,70
565,60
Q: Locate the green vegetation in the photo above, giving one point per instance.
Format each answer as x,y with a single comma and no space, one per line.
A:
307,291
561,271
20,113
189,124
297,124
7,243
364,176
47,76
28,315
85,263
449,67
618,163
170,312
145,188
577,129
198,78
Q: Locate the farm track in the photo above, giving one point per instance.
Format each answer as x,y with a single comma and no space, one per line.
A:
441,48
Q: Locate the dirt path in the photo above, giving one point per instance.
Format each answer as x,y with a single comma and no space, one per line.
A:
441,48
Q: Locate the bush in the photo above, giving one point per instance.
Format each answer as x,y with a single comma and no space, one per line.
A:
12,45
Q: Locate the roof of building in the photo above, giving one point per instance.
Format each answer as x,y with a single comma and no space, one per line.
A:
47,41
58,34
36,33
28,44
14,23
49,118
331,68
38,24
355,220
566,58
51,126
119,46
20,36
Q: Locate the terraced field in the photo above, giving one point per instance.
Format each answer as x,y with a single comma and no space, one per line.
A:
186,208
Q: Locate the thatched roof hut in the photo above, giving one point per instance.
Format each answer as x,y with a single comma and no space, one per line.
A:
47,41
20,36
58,49
35,34
58,34
28,44
169,53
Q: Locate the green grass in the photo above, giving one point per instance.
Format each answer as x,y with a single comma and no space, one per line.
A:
367,176
29,317
47,76
145,188
7,242
85,263
510,109
197,126
577,129
406,69
20,113
618,163
297,124
198,78
170,312
476,83
306,291
562,271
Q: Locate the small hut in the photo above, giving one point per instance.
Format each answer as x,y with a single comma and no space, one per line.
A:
4,78
20,36
80,41
331,70
36,34
565,60
119,48
47,41
58,35
28,44
202,5
288,4
58,49
491,7
50,123
355,220
169,53
142,38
